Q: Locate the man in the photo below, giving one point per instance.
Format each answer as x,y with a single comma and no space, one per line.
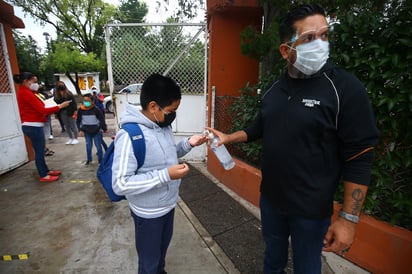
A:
317,126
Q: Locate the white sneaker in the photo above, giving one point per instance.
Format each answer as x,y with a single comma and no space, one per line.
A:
69,142
51,137
74,142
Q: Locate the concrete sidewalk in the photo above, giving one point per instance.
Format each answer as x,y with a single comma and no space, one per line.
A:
70,226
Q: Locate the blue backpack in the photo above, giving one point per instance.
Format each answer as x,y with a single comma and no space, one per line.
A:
104,172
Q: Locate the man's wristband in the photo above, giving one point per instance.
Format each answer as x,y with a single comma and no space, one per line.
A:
349,217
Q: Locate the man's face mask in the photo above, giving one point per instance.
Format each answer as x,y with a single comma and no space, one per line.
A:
312,51
311,57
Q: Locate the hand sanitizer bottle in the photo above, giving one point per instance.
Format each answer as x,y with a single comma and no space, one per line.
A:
220,151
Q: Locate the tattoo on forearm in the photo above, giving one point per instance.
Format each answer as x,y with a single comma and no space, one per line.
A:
357,196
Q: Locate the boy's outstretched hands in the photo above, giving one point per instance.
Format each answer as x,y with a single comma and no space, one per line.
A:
197,140
178,171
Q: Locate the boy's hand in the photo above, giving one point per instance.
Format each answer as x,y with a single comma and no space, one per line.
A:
178,171
197,140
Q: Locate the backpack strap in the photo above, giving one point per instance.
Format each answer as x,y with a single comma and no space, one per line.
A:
137,138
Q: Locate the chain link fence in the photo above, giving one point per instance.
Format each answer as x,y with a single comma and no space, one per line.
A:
177,50
4,74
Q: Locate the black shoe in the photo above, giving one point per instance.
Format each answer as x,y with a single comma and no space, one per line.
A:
87,163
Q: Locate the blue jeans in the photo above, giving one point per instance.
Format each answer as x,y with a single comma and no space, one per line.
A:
36,136
306,237
97,139
152,240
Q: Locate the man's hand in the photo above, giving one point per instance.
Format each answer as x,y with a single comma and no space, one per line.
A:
178,171
223,138
339,237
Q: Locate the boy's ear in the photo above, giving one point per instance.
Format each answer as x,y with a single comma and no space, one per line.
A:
152,107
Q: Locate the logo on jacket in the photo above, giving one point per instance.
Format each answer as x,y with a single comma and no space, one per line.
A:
310,102
137,137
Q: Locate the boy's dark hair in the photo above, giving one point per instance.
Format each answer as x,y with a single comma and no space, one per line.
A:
286,26
88,95
161,89
19,78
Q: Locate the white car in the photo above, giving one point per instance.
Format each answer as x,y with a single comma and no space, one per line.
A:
130,89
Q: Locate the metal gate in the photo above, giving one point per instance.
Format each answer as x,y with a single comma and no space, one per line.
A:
178,50
12,146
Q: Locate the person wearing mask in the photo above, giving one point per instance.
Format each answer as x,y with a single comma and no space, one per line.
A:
318,128
48,133
33,114
91,123
152,190
69,114
98,99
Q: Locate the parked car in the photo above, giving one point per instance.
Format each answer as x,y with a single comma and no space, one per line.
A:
130,89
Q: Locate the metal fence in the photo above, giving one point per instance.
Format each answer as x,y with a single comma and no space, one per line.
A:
4,73
134,51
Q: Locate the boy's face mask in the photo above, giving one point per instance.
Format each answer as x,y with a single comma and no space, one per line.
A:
87,104
169,117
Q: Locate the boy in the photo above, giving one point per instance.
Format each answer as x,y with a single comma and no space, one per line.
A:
90,122
153,190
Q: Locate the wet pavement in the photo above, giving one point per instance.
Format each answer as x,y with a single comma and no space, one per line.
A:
70,226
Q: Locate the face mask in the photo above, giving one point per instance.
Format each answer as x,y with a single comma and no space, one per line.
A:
87,104
34,86
311,57
61,87
169,118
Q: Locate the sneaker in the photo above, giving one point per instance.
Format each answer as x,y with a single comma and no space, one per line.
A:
51,137
74,142
69,142
54,172
87,163
49,179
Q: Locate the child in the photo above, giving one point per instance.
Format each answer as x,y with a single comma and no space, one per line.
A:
153,189
90,122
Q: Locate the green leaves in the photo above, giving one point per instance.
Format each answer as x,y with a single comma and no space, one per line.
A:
371,40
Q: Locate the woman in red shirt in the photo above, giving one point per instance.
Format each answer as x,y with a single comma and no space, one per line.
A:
33,114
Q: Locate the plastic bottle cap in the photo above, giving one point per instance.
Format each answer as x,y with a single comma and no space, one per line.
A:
208,134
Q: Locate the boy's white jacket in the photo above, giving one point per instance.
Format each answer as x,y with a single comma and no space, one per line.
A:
150,192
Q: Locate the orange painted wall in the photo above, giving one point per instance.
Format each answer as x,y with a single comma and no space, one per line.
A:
243,179
380,247
229,69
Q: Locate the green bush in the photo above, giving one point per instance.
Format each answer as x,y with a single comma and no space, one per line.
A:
377,48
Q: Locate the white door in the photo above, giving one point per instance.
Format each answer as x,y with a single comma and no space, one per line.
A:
12,147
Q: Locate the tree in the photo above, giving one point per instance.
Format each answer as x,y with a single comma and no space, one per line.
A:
80,22
28,54
132,11
68,59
